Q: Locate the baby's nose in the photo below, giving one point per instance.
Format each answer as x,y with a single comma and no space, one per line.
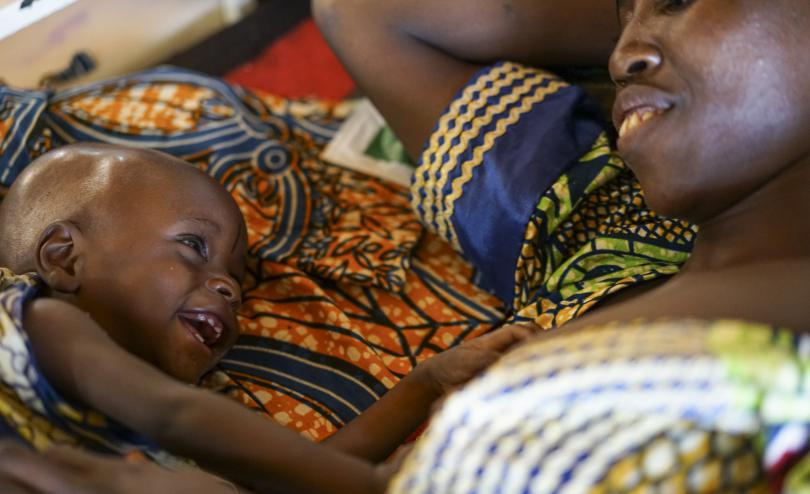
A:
227,287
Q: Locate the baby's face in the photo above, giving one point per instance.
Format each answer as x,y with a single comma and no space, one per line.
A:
164,277
713,98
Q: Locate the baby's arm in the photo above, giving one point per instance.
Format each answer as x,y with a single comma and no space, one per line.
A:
83,363
385,425
411,56
67,470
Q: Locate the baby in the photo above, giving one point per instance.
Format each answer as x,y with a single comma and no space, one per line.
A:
134,262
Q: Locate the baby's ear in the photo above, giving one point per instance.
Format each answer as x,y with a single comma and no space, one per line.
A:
58,257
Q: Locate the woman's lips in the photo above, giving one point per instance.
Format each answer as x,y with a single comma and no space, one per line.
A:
638,104
637,118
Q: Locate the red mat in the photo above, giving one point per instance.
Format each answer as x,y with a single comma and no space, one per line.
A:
299,64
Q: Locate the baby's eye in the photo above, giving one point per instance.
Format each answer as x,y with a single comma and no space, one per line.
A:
196,243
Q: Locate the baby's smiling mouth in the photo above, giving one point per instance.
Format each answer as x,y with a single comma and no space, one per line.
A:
205,327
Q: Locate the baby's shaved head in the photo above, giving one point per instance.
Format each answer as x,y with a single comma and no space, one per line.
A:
75,183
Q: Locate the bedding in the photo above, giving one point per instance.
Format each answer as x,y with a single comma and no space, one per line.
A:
345,291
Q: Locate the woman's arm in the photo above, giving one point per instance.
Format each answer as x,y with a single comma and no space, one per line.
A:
411,56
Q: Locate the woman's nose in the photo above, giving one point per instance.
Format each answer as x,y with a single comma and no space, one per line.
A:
634,59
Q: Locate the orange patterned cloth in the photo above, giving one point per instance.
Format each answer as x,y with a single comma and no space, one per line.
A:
345,292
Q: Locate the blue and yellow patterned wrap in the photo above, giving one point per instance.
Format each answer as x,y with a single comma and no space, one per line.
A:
520,177
31,409
668,406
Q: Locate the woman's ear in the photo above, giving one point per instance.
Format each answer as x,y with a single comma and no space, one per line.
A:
59,255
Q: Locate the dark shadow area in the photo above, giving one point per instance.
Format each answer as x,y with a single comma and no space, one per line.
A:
244,40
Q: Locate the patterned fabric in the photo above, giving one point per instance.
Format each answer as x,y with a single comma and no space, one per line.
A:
32,408
264,156
590,236
481,153
670,406
569,218
19,113
345,292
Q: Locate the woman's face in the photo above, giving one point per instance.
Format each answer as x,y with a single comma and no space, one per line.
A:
713,98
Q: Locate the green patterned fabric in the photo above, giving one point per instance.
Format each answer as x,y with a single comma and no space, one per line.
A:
590,236
520,177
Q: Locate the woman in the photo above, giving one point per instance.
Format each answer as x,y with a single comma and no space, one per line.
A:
669,373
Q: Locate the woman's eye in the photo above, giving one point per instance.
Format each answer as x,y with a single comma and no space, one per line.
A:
196,243
676,5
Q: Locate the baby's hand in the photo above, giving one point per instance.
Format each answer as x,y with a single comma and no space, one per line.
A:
458,365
